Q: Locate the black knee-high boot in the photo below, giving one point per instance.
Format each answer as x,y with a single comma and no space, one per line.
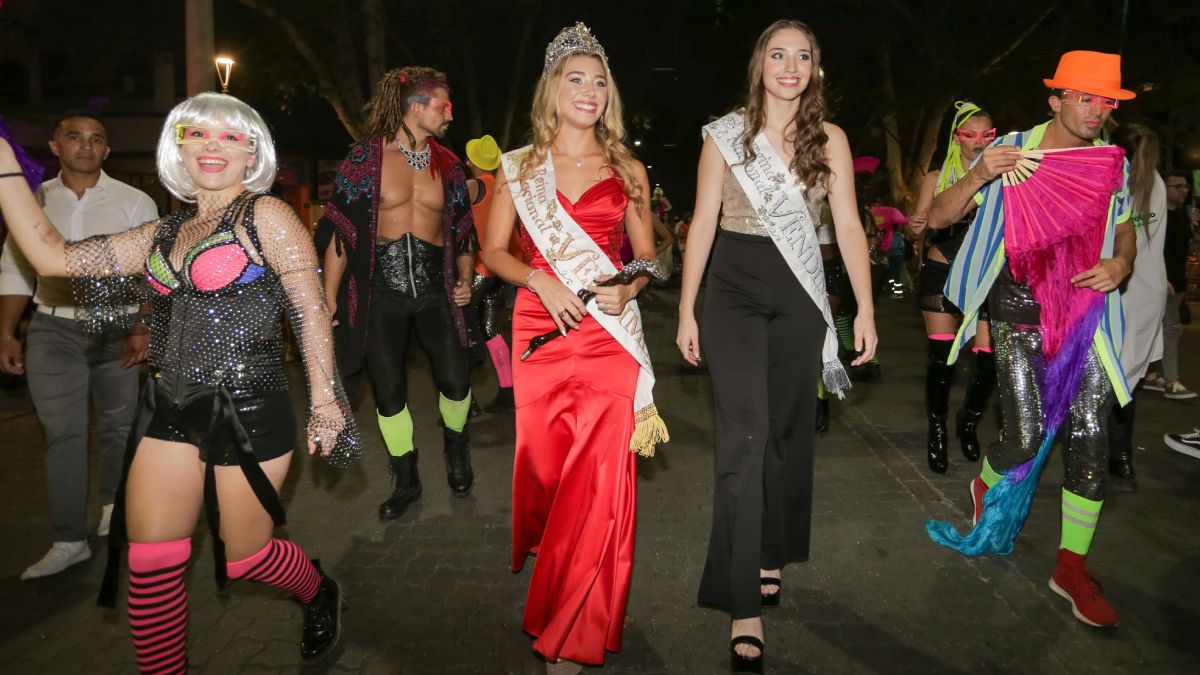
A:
983,381
938,377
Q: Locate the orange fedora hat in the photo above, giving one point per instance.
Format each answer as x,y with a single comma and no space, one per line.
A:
1091,73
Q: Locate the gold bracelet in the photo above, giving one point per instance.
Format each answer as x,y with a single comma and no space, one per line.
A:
528,278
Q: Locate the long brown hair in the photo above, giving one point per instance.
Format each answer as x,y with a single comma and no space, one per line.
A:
809,162
1141,149
392,98
609,130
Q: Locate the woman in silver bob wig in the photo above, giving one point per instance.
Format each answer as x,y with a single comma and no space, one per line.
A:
214,428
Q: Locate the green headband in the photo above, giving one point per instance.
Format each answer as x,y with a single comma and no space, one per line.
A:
952,168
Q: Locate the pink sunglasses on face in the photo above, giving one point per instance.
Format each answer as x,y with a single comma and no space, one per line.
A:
972,136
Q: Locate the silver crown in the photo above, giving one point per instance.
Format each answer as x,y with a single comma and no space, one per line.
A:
575,39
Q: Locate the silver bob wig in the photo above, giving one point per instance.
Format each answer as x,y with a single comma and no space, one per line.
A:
221,111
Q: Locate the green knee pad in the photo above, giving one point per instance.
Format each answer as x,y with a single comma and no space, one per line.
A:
397,432
454,413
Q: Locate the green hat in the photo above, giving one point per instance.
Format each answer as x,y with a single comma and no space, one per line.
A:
484,153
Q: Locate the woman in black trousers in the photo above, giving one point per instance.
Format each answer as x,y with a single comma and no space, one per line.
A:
767,327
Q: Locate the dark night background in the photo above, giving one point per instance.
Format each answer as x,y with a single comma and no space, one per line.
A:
892,66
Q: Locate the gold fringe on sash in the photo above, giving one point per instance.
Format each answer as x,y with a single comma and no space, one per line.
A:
649,429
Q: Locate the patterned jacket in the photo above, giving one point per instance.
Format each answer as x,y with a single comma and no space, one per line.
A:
982,256
350,222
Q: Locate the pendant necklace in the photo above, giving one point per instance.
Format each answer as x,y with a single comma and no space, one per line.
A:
417,159
578,163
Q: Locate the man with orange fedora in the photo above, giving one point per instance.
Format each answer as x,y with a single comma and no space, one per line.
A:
1084,91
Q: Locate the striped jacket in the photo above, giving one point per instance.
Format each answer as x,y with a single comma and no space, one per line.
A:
982,256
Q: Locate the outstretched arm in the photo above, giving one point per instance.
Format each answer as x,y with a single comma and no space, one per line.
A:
289,252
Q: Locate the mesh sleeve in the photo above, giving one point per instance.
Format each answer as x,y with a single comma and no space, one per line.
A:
105,274
288,250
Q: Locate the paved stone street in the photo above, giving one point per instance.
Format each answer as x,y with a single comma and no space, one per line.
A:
432,593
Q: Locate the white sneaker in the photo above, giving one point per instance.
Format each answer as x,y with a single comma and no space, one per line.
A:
62,554
1188,444
105,520
1177,392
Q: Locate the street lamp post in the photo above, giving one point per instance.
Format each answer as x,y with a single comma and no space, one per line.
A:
224,66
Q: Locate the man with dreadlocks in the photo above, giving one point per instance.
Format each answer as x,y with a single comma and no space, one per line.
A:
399,241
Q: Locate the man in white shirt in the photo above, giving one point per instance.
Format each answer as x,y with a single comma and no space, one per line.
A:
62,363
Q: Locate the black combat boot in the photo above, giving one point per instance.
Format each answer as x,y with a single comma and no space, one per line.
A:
408,485
458,462
322,619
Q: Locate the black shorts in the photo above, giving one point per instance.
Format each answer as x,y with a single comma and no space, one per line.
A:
931,285
194,413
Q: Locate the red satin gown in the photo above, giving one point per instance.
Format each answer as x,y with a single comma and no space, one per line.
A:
574,478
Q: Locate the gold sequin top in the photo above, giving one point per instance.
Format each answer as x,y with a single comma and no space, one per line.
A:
738,215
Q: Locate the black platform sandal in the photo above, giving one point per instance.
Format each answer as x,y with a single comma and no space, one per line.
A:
771,599
746,665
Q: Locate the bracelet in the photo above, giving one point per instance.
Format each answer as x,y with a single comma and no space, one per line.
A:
528,278
13,174
9,337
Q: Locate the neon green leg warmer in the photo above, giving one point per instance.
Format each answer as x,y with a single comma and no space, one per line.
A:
1079,518
822,392
397,432
988,475
454,413
845,332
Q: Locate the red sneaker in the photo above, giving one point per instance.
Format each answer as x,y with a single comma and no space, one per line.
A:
978,488
1074,582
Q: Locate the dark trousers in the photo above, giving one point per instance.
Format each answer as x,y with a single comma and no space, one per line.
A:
64,366
762,337
395,318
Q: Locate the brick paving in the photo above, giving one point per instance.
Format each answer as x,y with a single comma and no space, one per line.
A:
431,592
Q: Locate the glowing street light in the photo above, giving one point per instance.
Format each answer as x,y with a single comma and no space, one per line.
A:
224,66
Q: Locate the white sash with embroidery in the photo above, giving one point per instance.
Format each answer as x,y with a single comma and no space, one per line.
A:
778,198
577,261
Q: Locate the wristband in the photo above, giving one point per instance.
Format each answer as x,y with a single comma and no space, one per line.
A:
13,174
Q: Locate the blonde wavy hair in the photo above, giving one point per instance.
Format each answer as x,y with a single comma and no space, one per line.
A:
809,162
609,130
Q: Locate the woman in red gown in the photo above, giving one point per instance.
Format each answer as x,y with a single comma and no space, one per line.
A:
574,477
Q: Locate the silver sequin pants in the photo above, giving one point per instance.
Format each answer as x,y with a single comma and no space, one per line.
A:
1019,362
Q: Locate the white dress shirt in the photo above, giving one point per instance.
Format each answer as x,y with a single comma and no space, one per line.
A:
107,208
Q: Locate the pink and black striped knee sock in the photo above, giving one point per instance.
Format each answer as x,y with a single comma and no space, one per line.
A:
501,361
283,565
158,604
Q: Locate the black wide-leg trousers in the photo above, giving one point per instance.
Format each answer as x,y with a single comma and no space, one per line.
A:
762,335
